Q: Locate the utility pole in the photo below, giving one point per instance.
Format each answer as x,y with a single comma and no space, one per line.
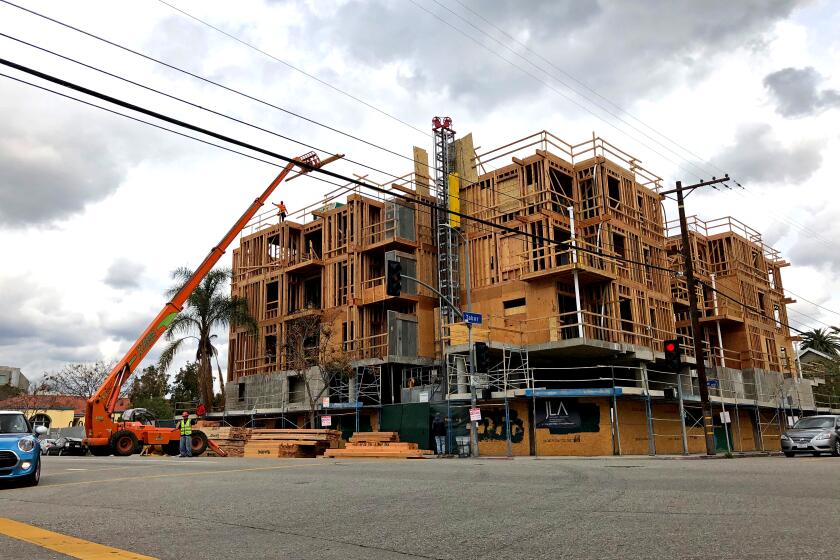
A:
694,312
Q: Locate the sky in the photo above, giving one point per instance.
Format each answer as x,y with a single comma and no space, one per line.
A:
96,210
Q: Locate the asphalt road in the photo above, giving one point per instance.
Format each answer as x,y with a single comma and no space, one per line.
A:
458,509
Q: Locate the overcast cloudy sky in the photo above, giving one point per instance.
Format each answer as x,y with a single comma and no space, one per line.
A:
96,210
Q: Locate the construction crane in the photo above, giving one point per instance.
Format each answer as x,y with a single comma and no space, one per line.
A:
103,435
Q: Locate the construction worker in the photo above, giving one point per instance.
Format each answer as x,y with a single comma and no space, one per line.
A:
439,431
282,211
185,425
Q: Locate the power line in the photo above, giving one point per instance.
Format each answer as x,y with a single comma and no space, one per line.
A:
612,114
200,77
295,68
242,144
811,302
228,139
227,88
778,217
746,305
543,82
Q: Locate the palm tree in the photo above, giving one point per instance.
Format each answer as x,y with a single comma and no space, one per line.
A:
822,340
209,307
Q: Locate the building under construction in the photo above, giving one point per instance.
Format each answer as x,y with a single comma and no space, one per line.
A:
565,252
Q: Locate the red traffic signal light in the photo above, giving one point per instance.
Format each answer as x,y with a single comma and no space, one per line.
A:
673,355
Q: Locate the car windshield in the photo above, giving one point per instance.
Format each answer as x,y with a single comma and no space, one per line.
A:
13,424
815,422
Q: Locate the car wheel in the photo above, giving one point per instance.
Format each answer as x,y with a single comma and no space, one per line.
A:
790,454
835,449
100,450
199,443
124,443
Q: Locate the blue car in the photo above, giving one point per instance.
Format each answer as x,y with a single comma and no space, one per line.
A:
20,451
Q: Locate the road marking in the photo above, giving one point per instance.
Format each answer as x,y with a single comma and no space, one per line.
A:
138,461
64,544
180,474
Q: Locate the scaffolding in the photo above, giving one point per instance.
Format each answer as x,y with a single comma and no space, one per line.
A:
447,237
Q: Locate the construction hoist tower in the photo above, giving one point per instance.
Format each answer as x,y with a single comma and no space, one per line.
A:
447,235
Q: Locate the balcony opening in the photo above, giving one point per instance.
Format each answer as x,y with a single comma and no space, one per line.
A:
272,295
294,295
312,292
625,309
618,247
588,199
567,309
562,255
614,191
274,252
312,244
271,349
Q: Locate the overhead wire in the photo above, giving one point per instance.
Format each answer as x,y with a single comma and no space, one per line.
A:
293,67
811,302
222,86
708,163
303,165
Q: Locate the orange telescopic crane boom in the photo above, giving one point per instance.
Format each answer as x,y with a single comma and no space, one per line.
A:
103,435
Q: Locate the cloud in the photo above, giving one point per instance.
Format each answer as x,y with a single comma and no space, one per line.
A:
658,44
758,156
796,93
124,274
51,168
817,250
37,331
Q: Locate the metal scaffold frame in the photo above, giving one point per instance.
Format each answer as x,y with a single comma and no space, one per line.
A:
448,254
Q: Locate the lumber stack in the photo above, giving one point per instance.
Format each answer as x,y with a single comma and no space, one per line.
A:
378,445
290,443
230,439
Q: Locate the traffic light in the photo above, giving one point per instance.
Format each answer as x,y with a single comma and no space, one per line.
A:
393,278
482,359
673,355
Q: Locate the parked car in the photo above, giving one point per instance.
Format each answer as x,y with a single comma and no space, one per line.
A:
46,445
20,450
65,445
813,434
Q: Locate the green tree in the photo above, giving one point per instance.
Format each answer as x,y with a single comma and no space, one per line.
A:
208,308
151,383
822,340
158,406
185,385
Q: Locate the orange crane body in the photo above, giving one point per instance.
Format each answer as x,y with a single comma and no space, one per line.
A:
102,434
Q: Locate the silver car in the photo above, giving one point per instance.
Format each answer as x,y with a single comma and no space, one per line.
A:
813,434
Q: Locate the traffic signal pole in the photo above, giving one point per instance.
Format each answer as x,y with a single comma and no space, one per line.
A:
473,396
708,424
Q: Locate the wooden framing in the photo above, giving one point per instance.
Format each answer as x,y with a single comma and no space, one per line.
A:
332,266
746,270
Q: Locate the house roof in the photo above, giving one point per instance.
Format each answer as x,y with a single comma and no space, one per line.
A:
816,352
55,402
